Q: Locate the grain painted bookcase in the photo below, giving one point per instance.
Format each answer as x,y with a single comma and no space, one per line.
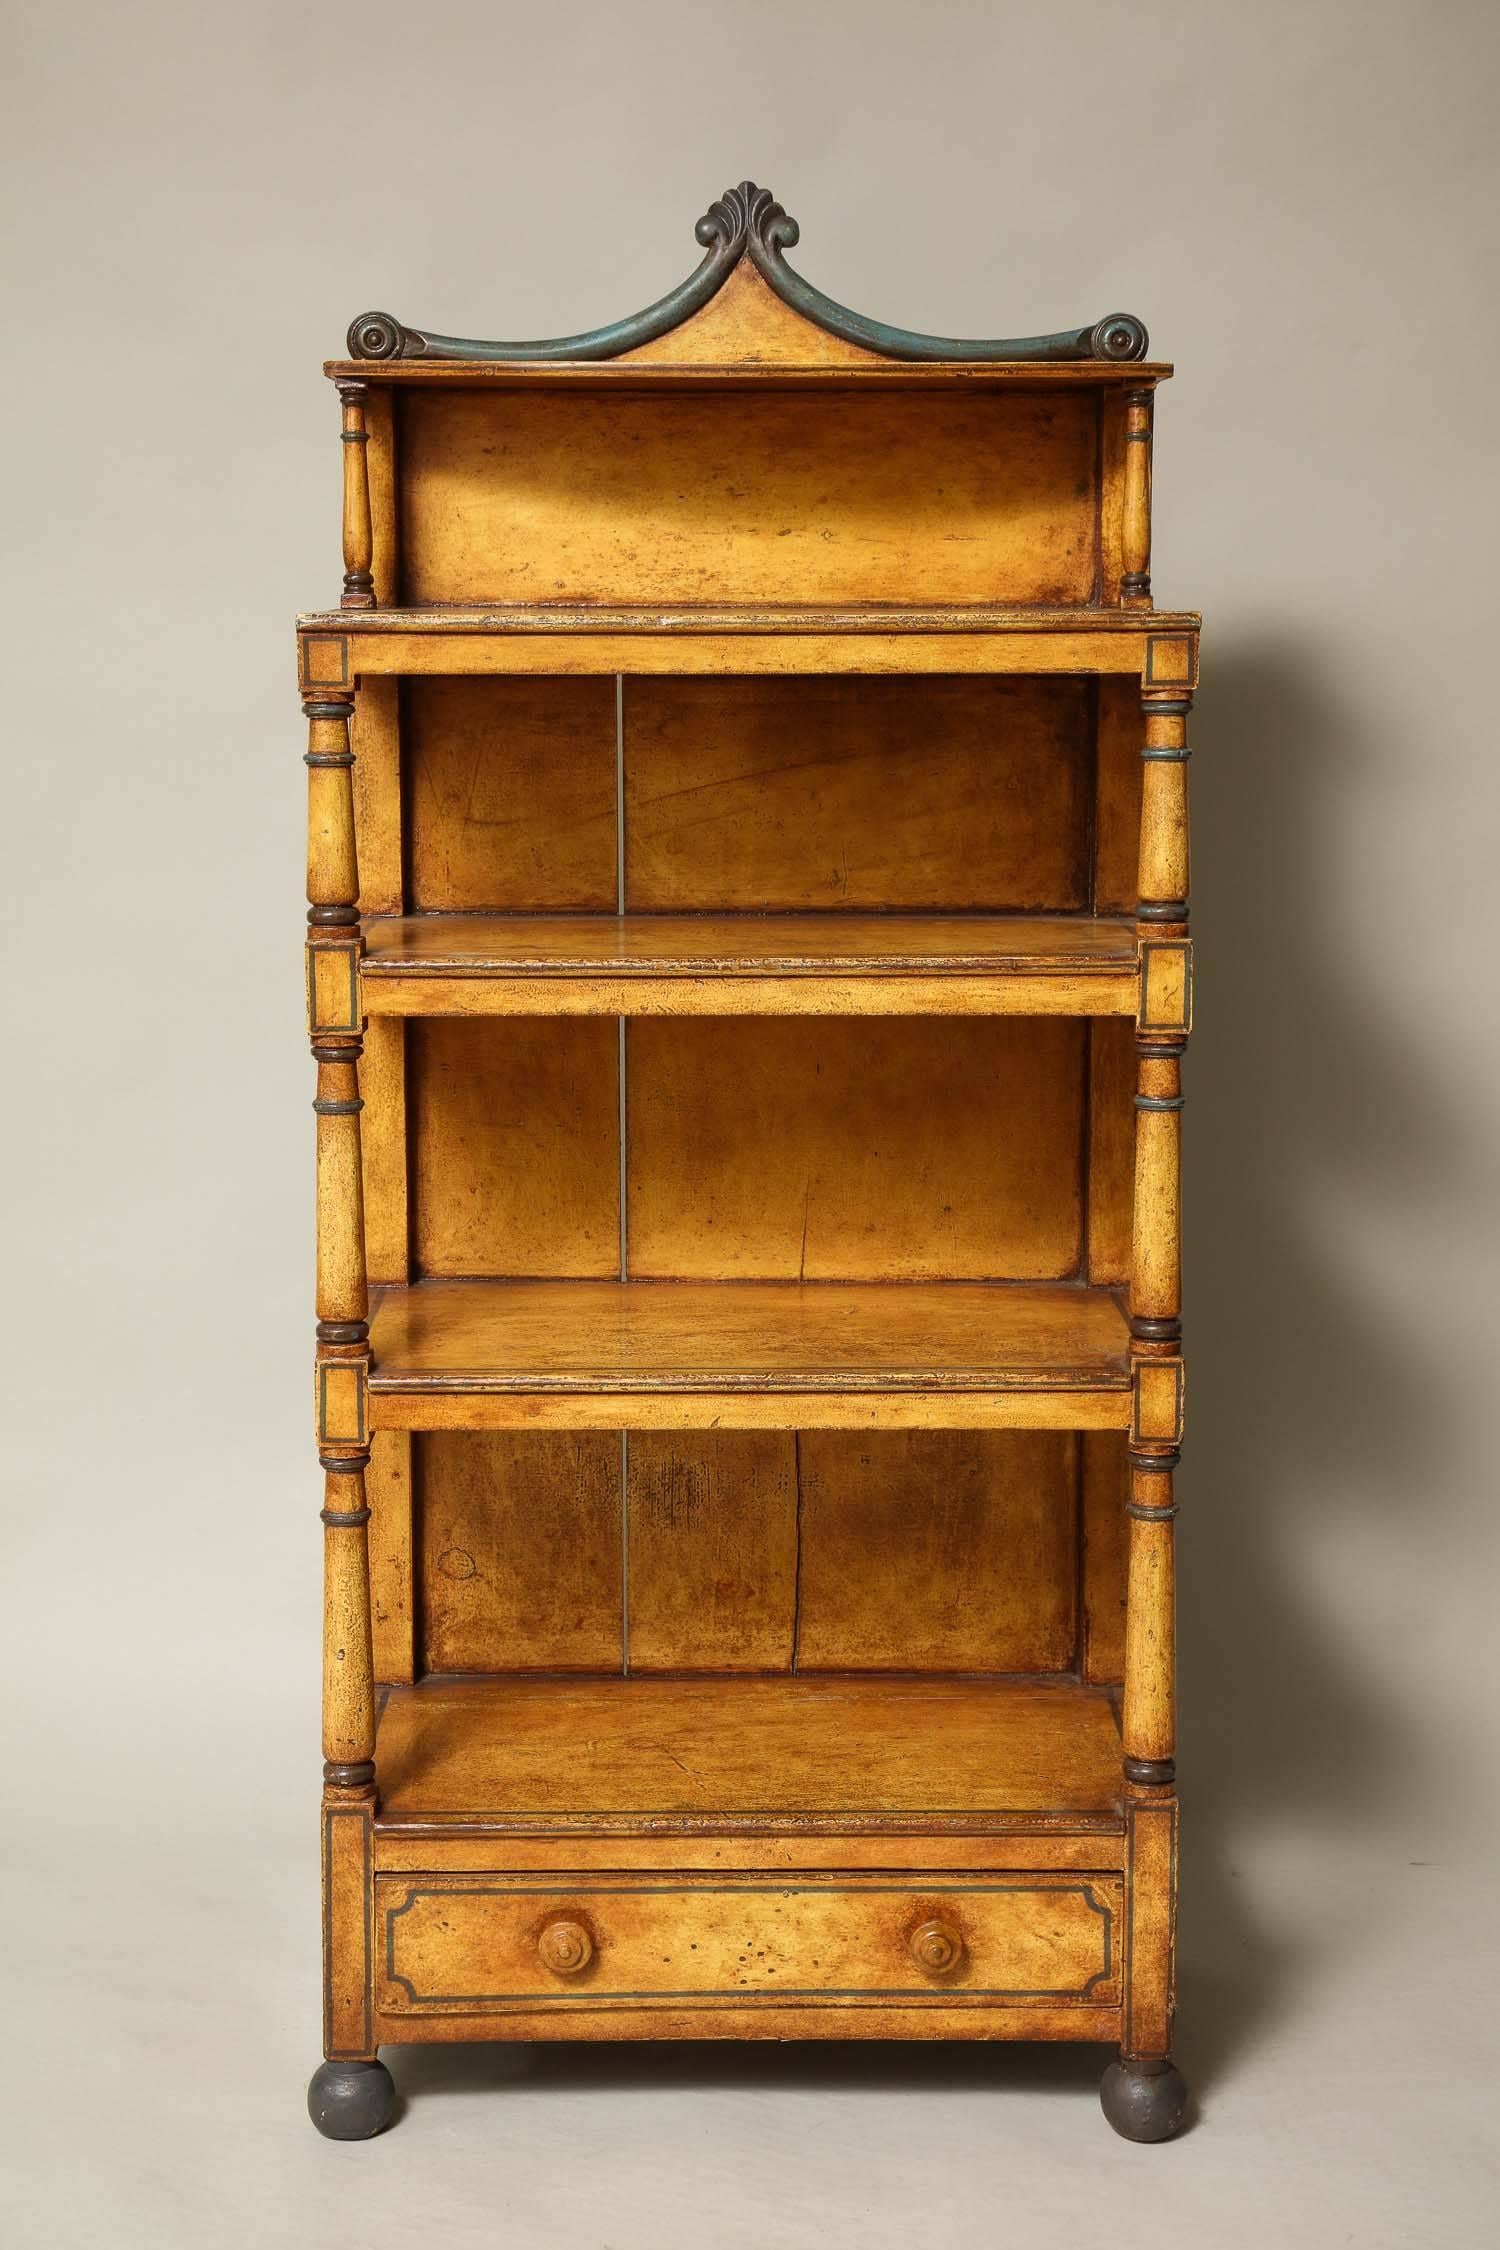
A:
748,975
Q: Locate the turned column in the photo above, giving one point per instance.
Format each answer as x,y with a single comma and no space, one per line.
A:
1143,2094
336,1024
1135,540
1155,1298
359,538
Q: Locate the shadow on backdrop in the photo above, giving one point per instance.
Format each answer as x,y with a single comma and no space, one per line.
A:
1300,1394
1303,1396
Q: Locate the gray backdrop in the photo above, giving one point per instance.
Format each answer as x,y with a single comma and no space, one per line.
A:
1301,201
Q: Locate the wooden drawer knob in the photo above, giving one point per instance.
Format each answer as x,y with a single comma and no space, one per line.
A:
565,1947
937,1948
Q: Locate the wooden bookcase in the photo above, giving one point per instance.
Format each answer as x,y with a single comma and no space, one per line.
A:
748,975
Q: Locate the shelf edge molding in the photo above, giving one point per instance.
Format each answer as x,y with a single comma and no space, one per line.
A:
747,221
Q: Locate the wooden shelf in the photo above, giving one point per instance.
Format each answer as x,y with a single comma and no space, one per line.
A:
748,1355
747,964
338,647
517,1753
760,617
635,374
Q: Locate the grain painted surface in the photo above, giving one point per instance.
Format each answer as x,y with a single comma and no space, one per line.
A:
520,1551
546,497
515,1146
850,793
448,1945
938,1550
693,944
510,790
395,1576
1105,1484
1111,1152
1117,796
605,1337
713,1547
853,1149
1090,1847
591,1751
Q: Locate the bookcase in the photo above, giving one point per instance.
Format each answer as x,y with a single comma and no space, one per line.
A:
748,974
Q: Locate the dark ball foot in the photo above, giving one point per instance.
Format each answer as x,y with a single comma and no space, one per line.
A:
351,2101
1144,2101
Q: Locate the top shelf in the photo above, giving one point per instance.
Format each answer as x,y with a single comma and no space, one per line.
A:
636,374
765,618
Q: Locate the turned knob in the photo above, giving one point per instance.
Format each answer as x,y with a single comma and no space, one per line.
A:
937,1948
565,1947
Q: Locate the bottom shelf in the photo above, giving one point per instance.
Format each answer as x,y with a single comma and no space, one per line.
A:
835,1753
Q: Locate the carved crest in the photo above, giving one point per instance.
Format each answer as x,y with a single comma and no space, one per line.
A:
747,221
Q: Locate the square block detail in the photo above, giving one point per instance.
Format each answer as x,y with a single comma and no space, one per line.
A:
341,1402
1166,986
1158,1413
333,989
1171,661
325,660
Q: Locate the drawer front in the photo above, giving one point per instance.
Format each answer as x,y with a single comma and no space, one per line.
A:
471,1945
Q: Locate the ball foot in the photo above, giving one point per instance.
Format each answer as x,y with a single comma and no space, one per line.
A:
351,2101
1144,2101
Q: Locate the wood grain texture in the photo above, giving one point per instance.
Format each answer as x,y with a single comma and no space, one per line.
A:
1163,870
383,473
640,370
854,1149
546,497
817,964
1135,544
941,1551
424,1850
616,1338
712,1551
765,1631
1117,796
341,1294
736,1751
476,1946
753,965
348,1913
520,1555
701,643
747,325
375,737
393,1590
880,2019
1156,1257
358,540
348,1668
1111,1153
510,793
1085,1405
850,793
382,1144
1150,1996
514,1139
1105,1487
739,944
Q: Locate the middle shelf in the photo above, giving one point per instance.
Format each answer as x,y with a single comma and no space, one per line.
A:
486,1355
750,964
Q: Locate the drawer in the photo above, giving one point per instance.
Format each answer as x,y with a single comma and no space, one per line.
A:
478,1944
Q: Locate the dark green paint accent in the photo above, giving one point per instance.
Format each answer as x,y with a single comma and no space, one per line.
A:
748,220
